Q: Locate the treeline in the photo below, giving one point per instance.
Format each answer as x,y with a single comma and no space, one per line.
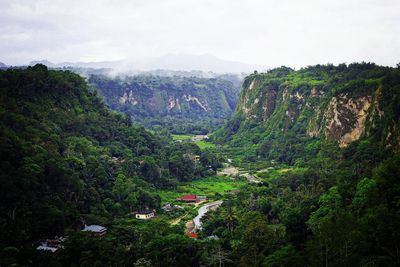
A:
65,157
180,124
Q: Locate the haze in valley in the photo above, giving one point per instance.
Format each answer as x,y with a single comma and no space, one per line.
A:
216,34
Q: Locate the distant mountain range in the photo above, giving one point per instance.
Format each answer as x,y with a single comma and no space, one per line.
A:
176,62
2,65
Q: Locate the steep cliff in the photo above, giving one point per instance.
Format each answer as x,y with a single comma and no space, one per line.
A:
183,98
341,104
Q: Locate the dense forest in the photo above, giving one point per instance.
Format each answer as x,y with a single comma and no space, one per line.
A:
178,102
65,158
327,138
320,145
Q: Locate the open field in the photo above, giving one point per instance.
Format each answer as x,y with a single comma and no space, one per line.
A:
204,144
198,141
181,137
209,186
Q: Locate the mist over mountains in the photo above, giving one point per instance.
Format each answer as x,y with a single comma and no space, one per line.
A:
176,62
245,133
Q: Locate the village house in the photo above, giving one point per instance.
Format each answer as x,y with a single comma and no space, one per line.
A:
192,198
95,230
199,137
167,207
145,215
201,198
212,237
51,245
187,198
192,235
233,192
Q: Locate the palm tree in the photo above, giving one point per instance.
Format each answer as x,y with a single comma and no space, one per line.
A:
230,218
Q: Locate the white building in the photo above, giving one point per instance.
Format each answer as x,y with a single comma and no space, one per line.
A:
145,215
51,244
97,230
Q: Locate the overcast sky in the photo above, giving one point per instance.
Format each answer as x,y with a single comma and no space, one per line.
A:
267,32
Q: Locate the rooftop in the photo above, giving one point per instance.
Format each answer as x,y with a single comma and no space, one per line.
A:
94,228
189,197
44,246
145,212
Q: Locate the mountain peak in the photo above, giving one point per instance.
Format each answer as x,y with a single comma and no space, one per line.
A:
2,65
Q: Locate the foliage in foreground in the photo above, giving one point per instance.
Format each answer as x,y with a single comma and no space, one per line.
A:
66,159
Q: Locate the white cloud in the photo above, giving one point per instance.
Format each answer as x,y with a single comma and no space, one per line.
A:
273,33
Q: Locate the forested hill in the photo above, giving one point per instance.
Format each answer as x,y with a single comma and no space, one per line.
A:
174,102
66,158
319,182
281,111
325,142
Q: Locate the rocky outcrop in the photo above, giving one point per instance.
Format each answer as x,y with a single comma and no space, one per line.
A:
144,97
332,104
128,98
173,104
257,101
345,118
195,100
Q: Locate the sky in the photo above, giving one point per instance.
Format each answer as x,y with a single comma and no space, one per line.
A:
294,33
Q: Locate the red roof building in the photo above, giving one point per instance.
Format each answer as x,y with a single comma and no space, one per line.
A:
192,235
188,198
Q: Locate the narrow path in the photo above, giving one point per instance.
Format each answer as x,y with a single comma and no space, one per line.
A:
230,170
250,178
203,210
178,220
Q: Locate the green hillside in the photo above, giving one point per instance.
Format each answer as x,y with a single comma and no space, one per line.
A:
282,113
305,173
65,159
324,143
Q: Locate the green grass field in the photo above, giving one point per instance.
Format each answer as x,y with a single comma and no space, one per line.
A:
205,145
278,171
187,137
181,137
209,186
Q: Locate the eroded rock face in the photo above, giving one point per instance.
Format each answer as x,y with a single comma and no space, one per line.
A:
245,104
128,98
345,118
180,97
268,105
337,104
253,84
258,102
173,104
193,99
314,128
